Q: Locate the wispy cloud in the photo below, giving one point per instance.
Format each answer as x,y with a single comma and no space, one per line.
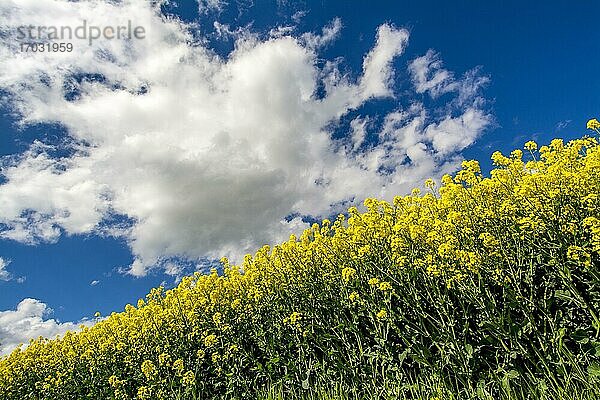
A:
562,124
4,274
429,76
329,33
206,6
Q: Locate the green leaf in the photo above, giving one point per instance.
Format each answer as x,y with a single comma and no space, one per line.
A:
305,384
597,347
512,374
594,370
469,350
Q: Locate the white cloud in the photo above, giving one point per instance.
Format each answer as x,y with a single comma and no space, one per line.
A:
453,134
562,124
358,134
377,70
206,6
4,274
429,75
329,33
241,33
28,322
208,155
7,276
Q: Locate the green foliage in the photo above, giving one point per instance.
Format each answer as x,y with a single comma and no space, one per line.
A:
487,288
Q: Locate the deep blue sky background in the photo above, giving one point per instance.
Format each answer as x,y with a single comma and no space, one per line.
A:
543,62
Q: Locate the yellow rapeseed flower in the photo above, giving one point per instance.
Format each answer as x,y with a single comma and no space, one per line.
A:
210,340
218,318
189,378
178,366
144,393
164,359
295,317
114,381
531,145
149,370
593,124
348,274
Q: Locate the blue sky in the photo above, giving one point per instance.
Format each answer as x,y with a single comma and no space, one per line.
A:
144,216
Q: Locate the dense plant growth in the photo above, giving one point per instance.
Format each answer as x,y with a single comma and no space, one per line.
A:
486,287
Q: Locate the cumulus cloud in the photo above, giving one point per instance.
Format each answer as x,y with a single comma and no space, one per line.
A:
27,322
209,155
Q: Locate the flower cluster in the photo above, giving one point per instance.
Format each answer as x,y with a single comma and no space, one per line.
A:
411,276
